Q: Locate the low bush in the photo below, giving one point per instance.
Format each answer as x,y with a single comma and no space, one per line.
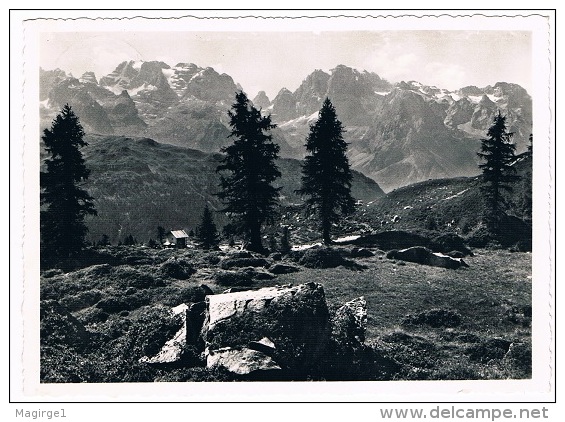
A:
281,268
446,242
114,305
177,268
232,278
127,276
92,315
321,258
81,300
487,350
59,328
518,360
229,263
434,318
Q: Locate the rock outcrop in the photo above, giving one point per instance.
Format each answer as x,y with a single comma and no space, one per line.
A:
422,255
282,332
290,325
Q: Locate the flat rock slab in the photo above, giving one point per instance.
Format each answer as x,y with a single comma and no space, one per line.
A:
241,361
226,305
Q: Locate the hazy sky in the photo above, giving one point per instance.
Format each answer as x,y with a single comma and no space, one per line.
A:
270,61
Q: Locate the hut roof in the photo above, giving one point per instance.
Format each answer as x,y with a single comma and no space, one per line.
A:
179,234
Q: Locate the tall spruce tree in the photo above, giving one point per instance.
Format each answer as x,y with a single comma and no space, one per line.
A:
64,204
207,232
247,189
326,175
498,154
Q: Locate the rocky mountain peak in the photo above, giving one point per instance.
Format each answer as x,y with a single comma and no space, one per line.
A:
151,73
261,100
470,90
121,76
485,101
88,77
284,106
208,85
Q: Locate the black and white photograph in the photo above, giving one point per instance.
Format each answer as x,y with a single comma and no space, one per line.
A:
324,200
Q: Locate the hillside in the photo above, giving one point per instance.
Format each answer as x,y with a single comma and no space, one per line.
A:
139,184
450,206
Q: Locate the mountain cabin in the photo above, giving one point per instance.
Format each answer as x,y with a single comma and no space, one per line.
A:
177,238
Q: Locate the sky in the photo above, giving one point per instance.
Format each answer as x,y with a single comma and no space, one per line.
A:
269,61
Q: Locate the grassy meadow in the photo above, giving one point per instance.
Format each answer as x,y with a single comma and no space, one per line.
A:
423,322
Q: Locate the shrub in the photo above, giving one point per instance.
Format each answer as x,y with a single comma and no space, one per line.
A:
92,315
81,300
174,296
321,258
51,273
228,263
417,355
126,276
446,242
113,305
487,350
177,268
256,274
518,360
232,278
59,328
434,318
280,268
480,237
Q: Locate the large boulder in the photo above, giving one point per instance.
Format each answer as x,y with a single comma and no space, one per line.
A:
422,255
283,326
392,239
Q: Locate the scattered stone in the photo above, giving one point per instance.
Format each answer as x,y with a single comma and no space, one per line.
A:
240,361
361,253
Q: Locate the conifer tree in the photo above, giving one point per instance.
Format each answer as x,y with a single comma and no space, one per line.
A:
64,204
161,234
248,170
207,232
498,154
326,174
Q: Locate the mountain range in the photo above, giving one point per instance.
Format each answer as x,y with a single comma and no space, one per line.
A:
398,134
